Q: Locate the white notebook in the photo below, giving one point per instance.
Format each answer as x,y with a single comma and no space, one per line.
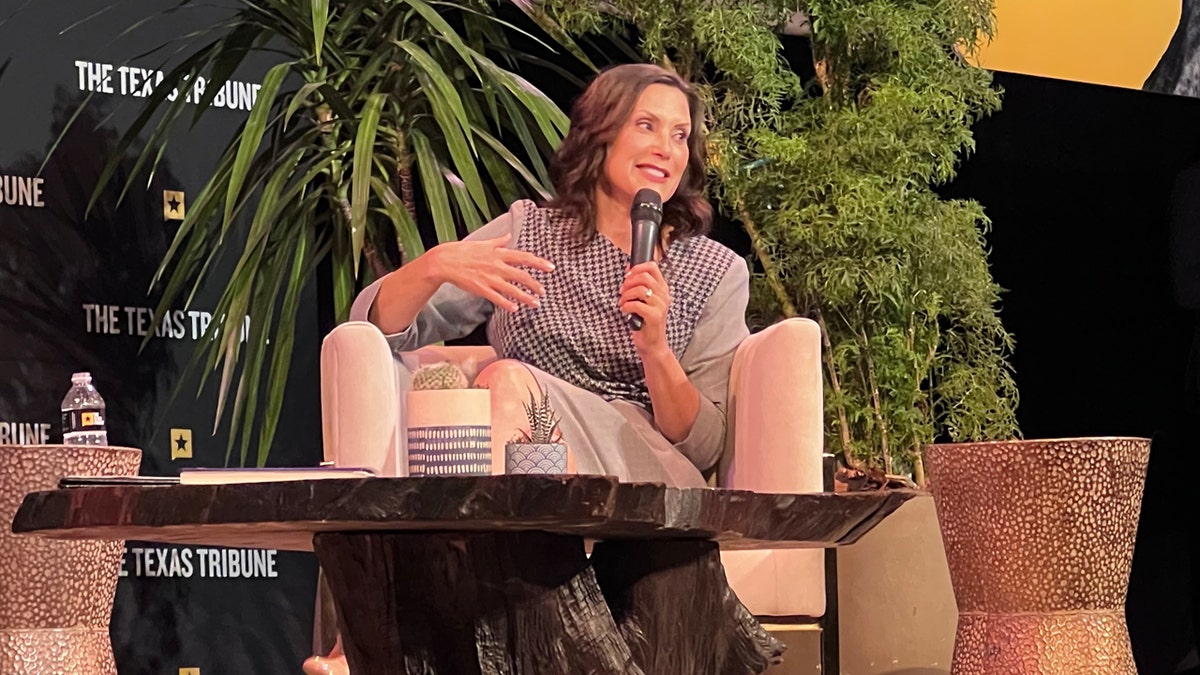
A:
219,476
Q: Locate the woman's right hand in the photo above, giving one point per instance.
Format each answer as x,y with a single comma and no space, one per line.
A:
489,269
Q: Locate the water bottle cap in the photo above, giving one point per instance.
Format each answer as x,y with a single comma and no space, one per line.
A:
81,377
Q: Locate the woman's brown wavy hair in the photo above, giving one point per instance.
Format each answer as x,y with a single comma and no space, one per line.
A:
597,116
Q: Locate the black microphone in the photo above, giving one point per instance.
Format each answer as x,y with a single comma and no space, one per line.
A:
646,217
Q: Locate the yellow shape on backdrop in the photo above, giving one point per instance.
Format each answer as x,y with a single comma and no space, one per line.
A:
181,444
174,205
1112,42
189,671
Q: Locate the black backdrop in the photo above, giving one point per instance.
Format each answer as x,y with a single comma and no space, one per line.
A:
1080,182
73,296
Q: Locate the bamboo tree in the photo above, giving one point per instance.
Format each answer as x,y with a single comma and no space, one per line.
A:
834,181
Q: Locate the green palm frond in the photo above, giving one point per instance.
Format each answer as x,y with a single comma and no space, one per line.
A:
369,101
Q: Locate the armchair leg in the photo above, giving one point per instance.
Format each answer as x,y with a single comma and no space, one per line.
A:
831,647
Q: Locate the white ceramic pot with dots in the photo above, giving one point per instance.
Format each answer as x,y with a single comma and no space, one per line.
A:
449,432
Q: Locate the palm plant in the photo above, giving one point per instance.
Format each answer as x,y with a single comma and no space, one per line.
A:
371,102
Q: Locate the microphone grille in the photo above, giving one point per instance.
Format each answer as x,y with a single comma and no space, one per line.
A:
647,205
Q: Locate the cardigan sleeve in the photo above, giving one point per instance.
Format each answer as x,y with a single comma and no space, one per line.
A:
708,360
452,312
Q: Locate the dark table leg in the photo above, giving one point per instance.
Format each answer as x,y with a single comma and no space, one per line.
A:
673,605
468,604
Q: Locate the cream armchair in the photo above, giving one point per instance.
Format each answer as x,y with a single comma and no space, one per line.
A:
774,442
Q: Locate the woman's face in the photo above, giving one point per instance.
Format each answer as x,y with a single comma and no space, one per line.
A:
651,150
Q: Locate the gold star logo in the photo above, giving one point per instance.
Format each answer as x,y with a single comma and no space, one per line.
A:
181,444
174,206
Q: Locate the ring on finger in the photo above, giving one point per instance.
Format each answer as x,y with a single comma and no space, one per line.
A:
649,292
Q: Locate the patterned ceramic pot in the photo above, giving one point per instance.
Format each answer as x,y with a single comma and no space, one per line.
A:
542,458
1039,539
449,432
56,597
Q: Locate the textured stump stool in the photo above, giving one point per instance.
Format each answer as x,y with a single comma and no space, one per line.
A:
487,575
56,597
1039,539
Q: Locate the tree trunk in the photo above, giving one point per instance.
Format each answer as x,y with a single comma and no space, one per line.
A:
843,422
876,404
772,274
919,469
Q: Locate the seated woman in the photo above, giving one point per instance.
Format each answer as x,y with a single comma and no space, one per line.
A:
554,285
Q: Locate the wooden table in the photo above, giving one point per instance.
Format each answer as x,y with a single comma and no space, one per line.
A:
489,575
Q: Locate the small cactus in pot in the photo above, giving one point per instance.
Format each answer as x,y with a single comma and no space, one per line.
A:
443,375
448,424
541,448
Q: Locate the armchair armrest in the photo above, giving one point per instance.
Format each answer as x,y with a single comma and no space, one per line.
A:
362,416
775,441
775,433
360,405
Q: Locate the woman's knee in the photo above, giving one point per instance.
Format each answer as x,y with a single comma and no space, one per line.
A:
508,375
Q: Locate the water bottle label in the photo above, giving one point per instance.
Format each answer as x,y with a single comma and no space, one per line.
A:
84,419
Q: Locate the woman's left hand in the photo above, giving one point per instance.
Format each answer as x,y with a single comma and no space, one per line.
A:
645,293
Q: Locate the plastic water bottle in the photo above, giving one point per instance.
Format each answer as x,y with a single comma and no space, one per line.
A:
83,413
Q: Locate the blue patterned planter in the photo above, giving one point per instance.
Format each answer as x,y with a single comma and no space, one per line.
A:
453,450
543,458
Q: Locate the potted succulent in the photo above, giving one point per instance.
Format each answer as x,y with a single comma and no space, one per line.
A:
541,449
448,424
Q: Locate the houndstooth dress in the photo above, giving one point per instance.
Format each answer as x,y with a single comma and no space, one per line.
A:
579,349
